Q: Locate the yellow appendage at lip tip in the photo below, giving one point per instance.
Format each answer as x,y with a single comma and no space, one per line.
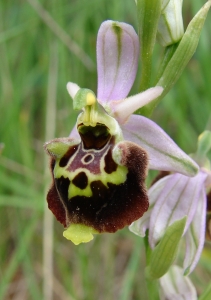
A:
79,233
90,99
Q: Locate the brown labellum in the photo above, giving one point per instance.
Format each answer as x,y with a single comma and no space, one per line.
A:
103,201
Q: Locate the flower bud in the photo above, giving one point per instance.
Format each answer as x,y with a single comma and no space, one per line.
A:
174,285
170,26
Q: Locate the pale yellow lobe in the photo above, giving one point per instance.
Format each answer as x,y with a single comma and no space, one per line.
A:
79,233
90,99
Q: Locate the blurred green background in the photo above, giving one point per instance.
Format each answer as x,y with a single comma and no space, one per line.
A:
43,45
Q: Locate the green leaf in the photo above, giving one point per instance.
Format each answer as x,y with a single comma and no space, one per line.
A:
206,295
165,252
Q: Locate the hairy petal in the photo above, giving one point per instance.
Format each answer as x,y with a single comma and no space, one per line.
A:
117,60
164,154
178,198
175,286
195,235
122,109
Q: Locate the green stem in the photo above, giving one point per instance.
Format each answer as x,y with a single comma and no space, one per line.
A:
152,285
50,128
152,288
146,71
131,271
148,17
147,110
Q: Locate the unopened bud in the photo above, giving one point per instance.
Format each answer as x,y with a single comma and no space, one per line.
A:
170,26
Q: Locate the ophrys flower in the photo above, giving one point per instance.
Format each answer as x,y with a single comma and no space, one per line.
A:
98,176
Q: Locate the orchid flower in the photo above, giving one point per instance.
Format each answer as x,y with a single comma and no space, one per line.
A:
99,171
175,286
171,199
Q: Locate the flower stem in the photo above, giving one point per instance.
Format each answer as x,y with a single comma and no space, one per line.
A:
152,288
148,17
147,110
152,285
49,134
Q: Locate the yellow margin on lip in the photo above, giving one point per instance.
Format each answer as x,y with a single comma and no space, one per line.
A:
79,233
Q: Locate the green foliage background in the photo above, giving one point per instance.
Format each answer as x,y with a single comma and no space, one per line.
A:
36,62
